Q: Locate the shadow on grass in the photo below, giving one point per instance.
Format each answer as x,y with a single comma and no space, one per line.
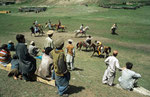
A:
101,56
78,69
81,37
88,50
75,89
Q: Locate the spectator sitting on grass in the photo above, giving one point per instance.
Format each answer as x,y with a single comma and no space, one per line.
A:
128,79
5,56
11,46
14,67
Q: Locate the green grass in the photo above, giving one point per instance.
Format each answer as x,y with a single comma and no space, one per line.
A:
133,28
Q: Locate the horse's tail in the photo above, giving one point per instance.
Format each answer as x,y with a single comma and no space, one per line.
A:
109,49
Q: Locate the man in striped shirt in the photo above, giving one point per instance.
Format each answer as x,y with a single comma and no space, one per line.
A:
5,56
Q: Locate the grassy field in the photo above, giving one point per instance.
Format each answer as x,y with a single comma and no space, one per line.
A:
133,44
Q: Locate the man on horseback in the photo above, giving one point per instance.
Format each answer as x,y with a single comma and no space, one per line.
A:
81,28
114,28
100,48
88,40
59,24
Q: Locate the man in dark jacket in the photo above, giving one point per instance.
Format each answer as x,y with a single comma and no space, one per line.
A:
27,64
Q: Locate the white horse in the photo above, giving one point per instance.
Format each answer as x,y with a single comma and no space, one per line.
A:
83,32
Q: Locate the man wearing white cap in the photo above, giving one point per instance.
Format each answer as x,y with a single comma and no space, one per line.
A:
112,64
48,40
33,50
70,54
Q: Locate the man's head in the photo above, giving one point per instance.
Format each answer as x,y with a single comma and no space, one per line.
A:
32,43
70,41
48,50
20,38
115,53
50,33
4,46
59,43
129,65
89,36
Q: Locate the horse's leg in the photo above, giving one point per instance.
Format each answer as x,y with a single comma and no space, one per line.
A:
80,46
76,34
93,53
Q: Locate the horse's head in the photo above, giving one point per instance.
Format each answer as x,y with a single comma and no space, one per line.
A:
86,28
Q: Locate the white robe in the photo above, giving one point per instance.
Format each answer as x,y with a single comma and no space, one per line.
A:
44,68
110,72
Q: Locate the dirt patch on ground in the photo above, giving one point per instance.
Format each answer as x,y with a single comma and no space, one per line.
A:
66,35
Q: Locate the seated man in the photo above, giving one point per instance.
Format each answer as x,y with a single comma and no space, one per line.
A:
33,50
11,46
44,69
128,79
5,56
14,67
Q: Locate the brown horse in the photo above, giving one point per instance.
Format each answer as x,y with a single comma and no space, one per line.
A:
107,50
62,27
82,43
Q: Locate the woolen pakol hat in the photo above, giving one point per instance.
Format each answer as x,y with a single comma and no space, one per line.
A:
31,42
70,40
9,41
50,32
59,42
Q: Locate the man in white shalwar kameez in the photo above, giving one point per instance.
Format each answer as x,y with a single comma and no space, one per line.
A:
112,64
70,54
49,40
128,79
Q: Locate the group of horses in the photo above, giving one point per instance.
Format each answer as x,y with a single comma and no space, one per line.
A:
41,28
94,48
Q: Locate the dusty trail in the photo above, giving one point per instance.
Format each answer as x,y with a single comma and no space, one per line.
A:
66,35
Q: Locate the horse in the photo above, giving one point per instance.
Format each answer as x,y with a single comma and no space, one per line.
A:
83,32
62,27
40,30
107,50
52,26
82,43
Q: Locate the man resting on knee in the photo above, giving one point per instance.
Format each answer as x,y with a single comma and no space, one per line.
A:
128,79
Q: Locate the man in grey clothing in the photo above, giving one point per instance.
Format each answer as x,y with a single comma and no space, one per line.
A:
128,79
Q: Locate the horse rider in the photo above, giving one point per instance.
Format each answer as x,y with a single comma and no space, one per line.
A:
100,47
81,28
114,28
59,24
48,25
88,40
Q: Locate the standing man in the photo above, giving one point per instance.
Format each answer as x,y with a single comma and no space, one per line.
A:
62,75
112,64
70,54
48,40
128,78
27,64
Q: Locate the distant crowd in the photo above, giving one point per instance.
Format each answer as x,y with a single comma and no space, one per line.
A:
57,63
